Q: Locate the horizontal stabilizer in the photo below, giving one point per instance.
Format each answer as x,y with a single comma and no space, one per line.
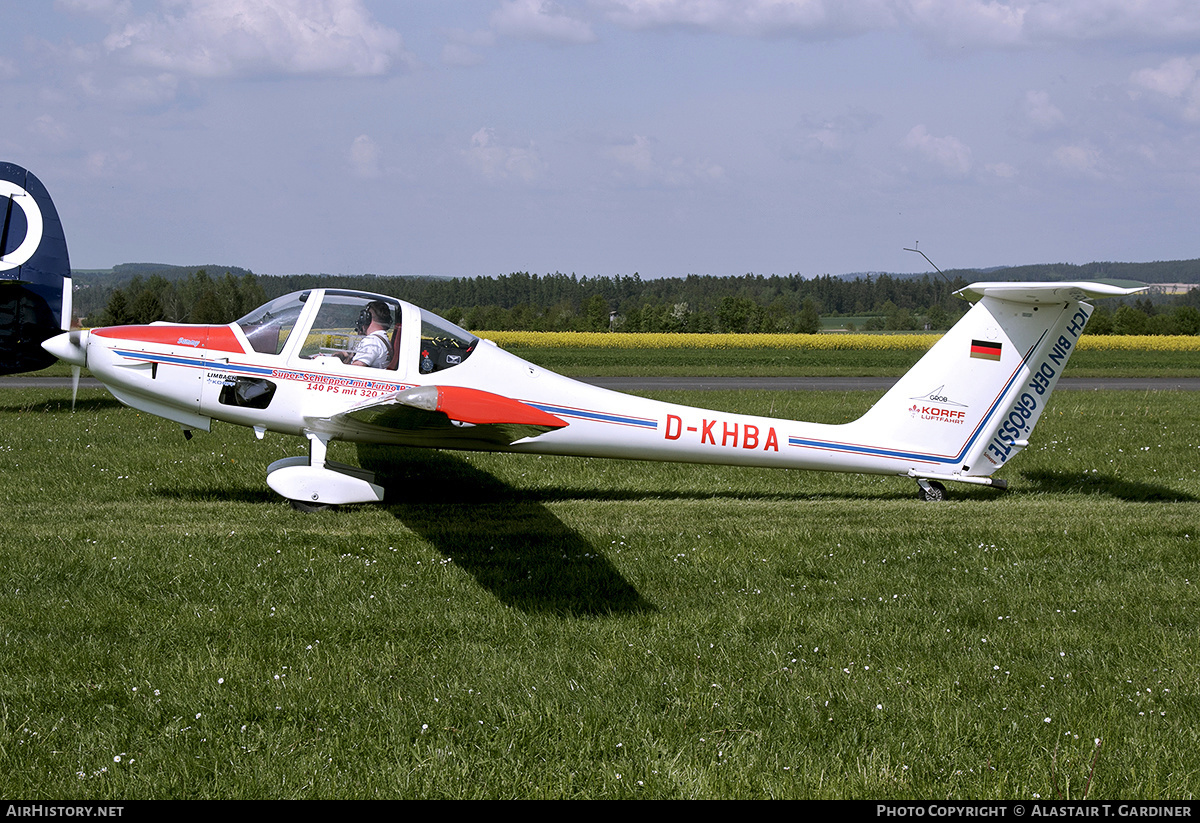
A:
971,403
1047,293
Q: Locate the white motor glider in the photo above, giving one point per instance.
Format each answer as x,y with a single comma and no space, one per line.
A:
326,365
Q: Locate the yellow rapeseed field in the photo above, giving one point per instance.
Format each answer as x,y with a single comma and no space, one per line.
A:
1140,342
827,342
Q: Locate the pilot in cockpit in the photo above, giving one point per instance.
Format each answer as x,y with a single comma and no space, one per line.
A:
374,350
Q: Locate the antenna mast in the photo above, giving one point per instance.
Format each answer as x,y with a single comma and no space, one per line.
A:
916,248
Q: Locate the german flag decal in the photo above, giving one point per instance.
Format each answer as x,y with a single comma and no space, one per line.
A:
985,349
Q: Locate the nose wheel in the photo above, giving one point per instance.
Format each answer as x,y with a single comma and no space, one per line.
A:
930,490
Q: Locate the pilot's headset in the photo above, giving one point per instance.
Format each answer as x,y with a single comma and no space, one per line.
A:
364,321
381,313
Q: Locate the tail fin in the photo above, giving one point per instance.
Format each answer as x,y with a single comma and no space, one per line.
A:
35,272
969,405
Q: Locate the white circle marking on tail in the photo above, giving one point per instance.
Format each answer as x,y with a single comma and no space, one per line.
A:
33,219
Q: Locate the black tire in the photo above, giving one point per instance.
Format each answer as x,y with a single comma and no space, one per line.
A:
934,494
310,508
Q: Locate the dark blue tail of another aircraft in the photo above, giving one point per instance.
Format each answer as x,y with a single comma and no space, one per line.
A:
35,273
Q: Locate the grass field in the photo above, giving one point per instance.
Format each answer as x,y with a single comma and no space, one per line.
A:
511,626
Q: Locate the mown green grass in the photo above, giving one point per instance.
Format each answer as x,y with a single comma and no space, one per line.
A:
510,626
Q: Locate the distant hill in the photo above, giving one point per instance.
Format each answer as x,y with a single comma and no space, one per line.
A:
120,276
128,271
93,286
1162,271
966,274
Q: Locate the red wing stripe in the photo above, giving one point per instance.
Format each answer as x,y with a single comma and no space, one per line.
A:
214,338
480,408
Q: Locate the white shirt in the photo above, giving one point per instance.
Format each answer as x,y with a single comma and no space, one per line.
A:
374,351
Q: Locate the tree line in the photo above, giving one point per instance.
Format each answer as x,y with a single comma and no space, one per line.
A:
197,298
562,302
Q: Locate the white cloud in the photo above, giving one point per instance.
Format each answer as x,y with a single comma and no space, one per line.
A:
999,23
828,138
98,8
1080,161
364,157
540,20
50,128
635,157
755,17
1081,20
1040,113
1173,78
1178,81
834,136
636,162
497,161
946,153
464,47
224,38
110,164
130,92
966,22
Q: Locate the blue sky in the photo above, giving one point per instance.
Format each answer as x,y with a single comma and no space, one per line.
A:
605,137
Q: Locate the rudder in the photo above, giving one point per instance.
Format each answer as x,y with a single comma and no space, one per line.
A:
35,272
969,405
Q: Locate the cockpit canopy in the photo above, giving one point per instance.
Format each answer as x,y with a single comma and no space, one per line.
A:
330,324
269,326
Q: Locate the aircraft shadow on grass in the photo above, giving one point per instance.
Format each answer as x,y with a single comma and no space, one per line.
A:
218,494
799,495
506,539
1045,480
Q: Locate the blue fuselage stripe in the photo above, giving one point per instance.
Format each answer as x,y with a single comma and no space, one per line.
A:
600,417
929,458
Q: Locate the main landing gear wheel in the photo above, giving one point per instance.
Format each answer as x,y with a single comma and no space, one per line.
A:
931,490
310,508
314,484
